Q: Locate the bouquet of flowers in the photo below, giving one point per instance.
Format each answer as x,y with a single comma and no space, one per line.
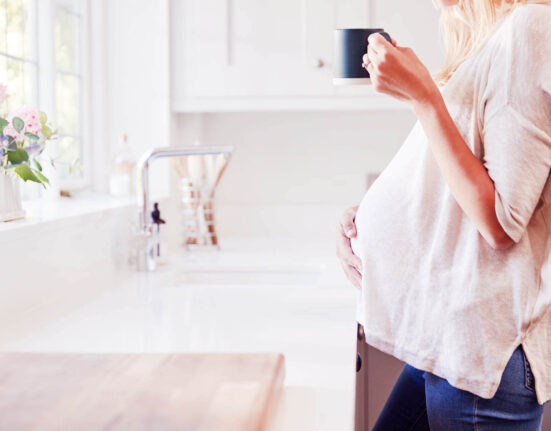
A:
23,137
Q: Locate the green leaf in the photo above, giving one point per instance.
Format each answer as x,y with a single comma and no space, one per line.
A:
75,166
46,131
41,177
18,156
32,136
3,123
42,117
38,165
26,174
18,124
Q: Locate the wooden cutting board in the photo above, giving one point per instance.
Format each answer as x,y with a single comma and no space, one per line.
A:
138,392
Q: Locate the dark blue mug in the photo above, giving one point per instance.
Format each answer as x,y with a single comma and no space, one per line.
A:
350,47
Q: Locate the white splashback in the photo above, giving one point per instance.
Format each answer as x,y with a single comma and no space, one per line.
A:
292,174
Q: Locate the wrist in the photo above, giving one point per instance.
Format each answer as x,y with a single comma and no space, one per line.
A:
428,101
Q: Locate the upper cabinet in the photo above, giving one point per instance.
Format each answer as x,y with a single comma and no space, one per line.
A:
277,54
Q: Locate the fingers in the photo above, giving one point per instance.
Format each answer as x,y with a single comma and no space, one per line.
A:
365,61
355,262
349,228
354,277
377,49
346,254
374,47
375,57
378,42
370,68
356,280
343,247
347,222
351,264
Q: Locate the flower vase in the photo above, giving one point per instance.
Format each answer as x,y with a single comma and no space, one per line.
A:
10,198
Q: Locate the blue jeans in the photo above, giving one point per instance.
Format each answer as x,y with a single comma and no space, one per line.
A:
421,401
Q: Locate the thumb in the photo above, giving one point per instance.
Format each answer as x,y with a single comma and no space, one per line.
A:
349,229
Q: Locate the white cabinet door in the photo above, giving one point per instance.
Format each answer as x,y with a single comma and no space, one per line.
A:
260,48
252,48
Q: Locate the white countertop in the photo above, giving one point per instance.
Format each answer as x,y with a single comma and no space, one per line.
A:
39,212
252,296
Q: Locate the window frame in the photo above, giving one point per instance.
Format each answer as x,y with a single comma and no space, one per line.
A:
74,184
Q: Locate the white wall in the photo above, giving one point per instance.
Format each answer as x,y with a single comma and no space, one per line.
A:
292,174
131,86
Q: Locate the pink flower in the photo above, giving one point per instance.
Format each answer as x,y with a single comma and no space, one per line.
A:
29,116
9,130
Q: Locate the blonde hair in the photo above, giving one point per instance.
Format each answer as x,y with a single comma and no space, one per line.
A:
467,26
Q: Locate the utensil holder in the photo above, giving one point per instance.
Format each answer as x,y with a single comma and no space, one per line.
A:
197,213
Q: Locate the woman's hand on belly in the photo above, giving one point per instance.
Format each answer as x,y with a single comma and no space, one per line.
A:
351,264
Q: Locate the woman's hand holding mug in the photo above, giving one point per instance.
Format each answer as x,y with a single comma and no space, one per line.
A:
351,264
397,71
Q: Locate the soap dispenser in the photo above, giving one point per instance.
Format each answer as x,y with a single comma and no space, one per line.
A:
159,236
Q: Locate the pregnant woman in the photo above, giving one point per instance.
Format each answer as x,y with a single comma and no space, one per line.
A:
450,245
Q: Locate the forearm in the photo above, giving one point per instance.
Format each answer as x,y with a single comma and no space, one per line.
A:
464,173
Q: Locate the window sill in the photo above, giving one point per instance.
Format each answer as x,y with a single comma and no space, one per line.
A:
43,213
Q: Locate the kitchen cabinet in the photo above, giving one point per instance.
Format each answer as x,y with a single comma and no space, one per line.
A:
263,55
376,374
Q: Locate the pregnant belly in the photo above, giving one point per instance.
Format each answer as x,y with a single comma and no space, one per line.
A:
381,222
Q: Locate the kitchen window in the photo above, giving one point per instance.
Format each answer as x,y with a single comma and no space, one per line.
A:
42,61
18,53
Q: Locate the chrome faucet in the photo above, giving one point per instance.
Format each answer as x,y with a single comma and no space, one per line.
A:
146,250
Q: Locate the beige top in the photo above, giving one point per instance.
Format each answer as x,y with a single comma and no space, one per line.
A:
434,293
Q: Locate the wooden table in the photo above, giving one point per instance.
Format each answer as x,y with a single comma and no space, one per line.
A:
41,391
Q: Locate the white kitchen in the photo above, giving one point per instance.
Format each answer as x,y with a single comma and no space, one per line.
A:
173,179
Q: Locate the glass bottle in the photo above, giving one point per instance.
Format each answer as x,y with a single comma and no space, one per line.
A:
121,180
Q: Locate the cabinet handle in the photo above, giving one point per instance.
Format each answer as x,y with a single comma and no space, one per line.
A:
319,63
